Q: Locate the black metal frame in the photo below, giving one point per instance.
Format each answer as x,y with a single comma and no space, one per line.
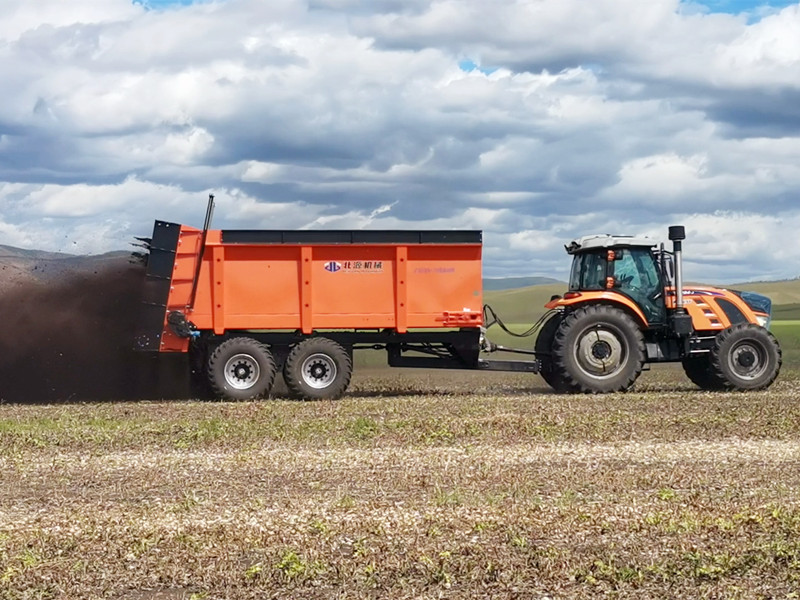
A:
416,349
160,264
348,237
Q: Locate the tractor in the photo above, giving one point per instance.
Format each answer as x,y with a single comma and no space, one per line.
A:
627,307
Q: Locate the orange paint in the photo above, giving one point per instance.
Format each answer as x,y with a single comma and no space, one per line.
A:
308,287
594,297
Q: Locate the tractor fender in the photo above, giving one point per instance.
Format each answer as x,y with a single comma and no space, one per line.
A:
576,299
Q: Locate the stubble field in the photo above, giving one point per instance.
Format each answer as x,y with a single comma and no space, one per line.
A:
415,485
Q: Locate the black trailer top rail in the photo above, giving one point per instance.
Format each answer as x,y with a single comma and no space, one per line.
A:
313,236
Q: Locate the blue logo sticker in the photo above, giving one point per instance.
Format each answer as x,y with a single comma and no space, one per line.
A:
332,266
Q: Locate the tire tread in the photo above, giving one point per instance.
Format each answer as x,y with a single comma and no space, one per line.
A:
219,356
301,351
573,382
729,336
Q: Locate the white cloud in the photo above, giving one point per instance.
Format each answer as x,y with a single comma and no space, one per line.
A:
616,116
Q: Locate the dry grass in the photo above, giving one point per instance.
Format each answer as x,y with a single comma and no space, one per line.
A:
478,488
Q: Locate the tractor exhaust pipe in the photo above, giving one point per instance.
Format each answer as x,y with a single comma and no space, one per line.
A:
677,234
681,320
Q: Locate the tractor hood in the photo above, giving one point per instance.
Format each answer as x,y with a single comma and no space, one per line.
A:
760,305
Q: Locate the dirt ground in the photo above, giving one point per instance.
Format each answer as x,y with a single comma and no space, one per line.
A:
415,485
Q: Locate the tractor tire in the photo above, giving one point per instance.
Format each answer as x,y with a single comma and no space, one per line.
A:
241,368
698,370
746,357
318,369
544,352
598,349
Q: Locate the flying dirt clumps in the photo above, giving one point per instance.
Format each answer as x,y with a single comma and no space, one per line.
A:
71,339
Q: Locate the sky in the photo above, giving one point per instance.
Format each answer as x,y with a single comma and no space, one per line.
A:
536,121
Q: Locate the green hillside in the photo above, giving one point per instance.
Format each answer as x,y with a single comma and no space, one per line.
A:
786,312
781,292
523,305
510,283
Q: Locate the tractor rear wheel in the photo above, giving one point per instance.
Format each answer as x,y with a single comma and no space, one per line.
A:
318,368
746,357
598,349
544,352
698,370
241,368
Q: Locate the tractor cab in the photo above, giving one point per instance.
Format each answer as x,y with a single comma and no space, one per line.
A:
627,265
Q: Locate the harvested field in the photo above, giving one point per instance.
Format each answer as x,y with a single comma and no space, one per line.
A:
485,485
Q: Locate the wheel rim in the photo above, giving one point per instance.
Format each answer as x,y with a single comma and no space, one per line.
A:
242,371
319,371
600,352
748,360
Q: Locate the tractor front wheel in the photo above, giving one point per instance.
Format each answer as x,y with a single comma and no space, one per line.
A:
598,349
746,357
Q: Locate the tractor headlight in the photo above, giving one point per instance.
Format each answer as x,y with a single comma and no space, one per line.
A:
763,320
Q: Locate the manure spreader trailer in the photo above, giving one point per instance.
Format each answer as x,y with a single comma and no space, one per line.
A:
249,304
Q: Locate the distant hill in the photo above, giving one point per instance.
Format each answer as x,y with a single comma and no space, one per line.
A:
781,292
19,266
511,283
9,252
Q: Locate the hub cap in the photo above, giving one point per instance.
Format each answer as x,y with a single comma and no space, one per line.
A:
319,371
747,360
600,352
242,371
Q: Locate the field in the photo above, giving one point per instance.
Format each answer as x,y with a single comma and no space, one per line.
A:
416,485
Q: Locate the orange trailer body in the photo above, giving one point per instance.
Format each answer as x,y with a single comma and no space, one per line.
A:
308,281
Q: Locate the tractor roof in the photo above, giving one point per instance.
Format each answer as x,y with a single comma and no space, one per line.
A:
592,242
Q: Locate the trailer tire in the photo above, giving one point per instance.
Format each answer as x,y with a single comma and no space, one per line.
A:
544,353
241,368
698,370
598,349
746,357
318,369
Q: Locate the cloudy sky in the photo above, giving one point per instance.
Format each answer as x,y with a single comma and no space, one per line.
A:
536,121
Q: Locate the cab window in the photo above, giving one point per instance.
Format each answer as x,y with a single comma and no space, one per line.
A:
636,275
588,272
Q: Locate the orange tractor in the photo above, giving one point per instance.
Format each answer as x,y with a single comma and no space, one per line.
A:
249,304
627,306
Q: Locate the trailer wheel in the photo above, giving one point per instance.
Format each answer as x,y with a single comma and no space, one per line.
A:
318,368
544,352
241,368
746,357
598,349
698,370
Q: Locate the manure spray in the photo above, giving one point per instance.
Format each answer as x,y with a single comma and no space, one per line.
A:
71,340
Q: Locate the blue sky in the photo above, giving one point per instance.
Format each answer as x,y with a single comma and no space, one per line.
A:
536,122
717,6
740,6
